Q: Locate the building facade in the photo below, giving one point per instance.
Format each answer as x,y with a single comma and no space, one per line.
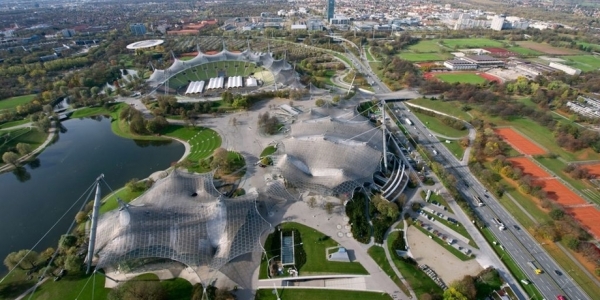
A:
330,9
137,29
497,23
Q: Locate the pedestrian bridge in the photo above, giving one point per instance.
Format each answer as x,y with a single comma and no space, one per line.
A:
398,95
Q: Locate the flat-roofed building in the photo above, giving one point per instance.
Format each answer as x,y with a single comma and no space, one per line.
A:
459,64
484,61
565,68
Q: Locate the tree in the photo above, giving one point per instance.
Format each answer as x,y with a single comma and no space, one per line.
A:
47,254
329,207
43,124
466,287
73,263
22,259
10,158
557,214
453,294
312,202
80,217
23,148
67,241
320,102
220,159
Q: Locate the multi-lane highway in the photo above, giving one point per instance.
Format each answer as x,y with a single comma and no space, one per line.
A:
517,242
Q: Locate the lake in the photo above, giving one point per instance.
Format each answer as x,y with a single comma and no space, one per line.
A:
34,198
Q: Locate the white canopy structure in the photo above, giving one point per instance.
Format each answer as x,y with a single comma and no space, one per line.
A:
283,72
183,218
195,87
330,155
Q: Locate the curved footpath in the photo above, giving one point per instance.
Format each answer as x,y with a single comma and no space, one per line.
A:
51,134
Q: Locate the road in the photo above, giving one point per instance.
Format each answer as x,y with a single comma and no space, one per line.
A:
518,243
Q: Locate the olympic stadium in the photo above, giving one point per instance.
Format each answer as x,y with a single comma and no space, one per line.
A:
226,70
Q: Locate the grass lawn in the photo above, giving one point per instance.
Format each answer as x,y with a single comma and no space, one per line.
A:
454,147
425,46
524,51
14,285
418,57
461,77
368,53
203,141
316,294
110,202
98,110
435,125
378,255
344,58
316,260
416,278
545,137
584,62
268,151
512,266
14,123
30,136
73,287
471,43
452,108
12,103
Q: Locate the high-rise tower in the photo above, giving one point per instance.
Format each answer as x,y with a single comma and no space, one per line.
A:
330,9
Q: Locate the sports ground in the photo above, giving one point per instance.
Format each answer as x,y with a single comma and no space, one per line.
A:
587,214
528,167
220,68
519,142
461,77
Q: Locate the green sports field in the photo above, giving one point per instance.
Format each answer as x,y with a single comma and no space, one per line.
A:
461,77
12,103
203,141
524,51
211,70
471,43
418,57
425,46
584,62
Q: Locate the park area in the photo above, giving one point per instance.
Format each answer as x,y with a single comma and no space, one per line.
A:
310,252
519,142
471,43
584,62
419,57
309,294
454,77
547,49
12,103
203,141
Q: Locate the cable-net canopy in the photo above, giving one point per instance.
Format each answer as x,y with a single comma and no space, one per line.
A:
284,73
330,155
184,218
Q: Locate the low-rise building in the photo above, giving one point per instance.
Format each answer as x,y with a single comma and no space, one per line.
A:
459,64
484,61
565,68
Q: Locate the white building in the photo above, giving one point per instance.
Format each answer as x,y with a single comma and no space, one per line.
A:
565,68
497,23
298,27
459,64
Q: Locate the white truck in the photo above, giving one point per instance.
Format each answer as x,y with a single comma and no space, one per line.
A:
408,121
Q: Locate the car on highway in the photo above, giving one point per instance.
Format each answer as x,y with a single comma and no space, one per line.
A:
516,227
557,272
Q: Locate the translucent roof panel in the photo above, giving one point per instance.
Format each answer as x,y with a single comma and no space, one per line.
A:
183,218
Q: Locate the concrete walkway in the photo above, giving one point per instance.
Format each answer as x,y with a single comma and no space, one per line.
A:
391,262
